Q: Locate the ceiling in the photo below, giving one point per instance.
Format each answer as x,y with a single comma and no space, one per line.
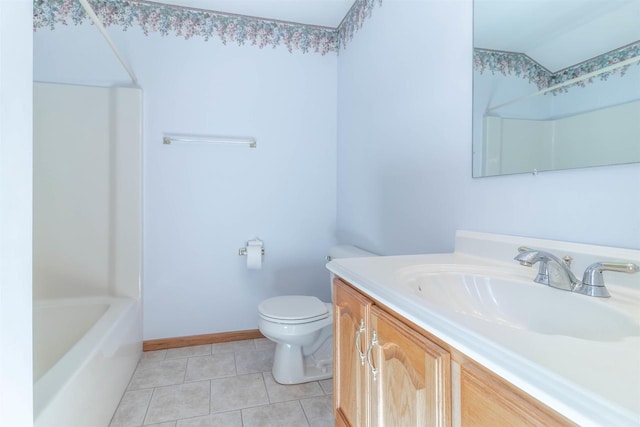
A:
556,33
326,13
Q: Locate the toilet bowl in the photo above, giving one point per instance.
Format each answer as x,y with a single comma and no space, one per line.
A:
299,325
302,328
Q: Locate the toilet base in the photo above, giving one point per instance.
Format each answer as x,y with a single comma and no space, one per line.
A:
291,367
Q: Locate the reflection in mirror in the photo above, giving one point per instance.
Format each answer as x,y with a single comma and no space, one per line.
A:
556,85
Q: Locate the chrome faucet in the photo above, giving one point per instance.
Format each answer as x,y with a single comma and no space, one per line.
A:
592,283
567,281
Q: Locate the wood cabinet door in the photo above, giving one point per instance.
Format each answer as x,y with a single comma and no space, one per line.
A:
488,401
351,311
412,385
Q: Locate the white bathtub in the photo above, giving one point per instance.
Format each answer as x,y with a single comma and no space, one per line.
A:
84,352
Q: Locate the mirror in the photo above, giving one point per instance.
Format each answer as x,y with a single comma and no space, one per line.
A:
556,85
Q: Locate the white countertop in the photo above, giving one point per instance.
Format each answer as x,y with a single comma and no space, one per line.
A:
590,382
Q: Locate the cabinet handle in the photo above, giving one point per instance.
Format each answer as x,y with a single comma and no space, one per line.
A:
374,341
360,352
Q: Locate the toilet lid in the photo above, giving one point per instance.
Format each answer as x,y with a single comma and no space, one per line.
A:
293,308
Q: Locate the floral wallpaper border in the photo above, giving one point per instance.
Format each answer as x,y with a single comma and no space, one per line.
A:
354,19
189,22
520,65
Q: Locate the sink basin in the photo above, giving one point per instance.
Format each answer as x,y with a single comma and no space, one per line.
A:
481,295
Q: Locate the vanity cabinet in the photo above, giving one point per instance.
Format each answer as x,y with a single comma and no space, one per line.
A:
389,372
385,372
351,382
487,400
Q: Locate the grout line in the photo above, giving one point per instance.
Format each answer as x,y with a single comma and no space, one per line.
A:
210,398
264,382
186,367
146,412
118,407
304,413
235,364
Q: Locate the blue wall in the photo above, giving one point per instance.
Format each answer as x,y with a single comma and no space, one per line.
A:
400,108
203,202
404,148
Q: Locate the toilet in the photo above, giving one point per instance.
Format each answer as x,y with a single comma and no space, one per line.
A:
302,328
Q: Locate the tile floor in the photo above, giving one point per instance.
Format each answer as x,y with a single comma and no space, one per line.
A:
227,385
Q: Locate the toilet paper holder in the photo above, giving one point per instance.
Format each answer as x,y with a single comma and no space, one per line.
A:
243,251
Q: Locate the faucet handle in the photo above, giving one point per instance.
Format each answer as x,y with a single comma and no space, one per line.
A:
593,281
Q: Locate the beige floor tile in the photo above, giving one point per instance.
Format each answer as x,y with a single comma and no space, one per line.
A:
150,373
238,392
322,422
179,401
154,355
194,350
327,385
233,346
264,344
252,362
132,408
207,367
318,409
281,393
228,419
284,414
225,384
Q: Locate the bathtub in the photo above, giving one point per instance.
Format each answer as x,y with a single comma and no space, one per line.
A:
85,351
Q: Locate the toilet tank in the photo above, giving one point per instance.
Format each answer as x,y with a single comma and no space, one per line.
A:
345,251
